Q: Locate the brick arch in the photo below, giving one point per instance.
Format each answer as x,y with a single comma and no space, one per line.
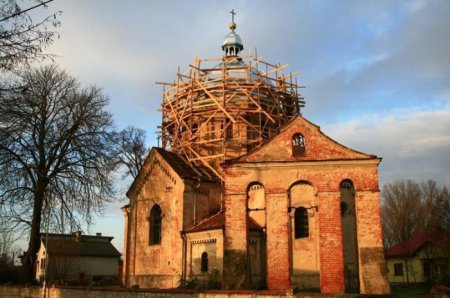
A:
256,199
298,182
254,184
346,180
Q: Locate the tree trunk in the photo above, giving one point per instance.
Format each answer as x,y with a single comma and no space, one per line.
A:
29,259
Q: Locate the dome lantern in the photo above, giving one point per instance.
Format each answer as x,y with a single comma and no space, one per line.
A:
232,43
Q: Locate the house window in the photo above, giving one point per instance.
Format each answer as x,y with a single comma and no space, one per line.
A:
301,223
155,225
398,269
298,145
427,270
204,262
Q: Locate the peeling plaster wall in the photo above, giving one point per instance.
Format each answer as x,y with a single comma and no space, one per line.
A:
156,265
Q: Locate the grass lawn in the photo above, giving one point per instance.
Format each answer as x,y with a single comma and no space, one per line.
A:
411,291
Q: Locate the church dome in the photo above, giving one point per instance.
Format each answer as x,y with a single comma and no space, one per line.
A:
232,39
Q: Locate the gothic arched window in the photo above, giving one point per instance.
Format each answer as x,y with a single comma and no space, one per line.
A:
155,225
298,145
301,223
204,263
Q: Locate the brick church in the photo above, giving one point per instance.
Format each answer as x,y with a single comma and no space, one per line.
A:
248,190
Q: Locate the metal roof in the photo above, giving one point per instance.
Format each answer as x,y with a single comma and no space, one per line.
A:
232,38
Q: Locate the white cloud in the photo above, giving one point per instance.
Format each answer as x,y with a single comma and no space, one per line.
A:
414,144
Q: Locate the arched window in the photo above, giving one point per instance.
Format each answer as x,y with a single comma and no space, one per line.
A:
155,225
298,145
204,262
301,223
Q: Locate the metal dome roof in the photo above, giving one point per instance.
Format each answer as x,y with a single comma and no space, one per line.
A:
232,38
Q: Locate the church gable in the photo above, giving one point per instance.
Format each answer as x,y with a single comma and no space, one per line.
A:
160,160
301,140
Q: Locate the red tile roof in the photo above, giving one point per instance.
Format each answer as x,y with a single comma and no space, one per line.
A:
407,248
217,221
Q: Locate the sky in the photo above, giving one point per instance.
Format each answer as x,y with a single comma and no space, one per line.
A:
377,72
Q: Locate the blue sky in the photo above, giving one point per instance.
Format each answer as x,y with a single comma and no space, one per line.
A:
377,73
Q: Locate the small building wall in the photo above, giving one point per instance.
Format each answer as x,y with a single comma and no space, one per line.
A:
200,200
157,265
80,269
413,268
210,242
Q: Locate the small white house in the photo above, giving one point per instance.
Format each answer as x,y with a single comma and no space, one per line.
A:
76,258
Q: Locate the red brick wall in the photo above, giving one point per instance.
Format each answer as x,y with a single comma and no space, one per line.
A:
325,177
235,241
278,266
318,145
331,250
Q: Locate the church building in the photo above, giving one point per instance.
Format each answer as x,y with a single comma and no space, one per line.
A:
246,190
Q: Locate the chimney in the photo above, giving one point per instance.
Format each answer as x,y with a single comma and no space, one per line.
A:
77,235
98,234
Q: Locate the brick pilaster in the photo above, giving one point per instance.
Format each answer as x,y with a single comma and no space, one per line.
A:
373,275
331,249
278,267
235,241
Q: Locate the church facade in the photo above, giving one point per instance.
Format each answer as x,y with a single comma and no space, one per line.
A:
247,190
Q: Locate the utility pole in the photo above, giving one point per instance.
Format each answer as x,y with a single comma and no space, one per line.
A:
47,205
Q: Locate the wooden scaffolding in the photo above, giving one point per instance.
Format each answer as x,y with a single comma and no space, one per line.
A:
220,109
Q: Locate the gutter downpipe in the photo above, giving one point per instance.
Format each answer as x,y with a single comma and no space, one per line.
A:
184,255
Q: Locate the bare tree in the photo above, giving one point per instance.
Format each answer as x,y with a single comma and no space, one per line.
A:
131,150
401,210
8,236
444,207
56,146
62,267
409,208
21,38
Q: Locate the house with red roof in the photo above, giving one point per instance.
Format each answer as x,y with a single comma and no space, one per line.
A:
423,257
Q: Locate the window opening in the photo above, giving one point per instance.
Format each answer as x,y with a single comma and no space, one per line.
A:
155,225
298,145
398,269
204,262
301,223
